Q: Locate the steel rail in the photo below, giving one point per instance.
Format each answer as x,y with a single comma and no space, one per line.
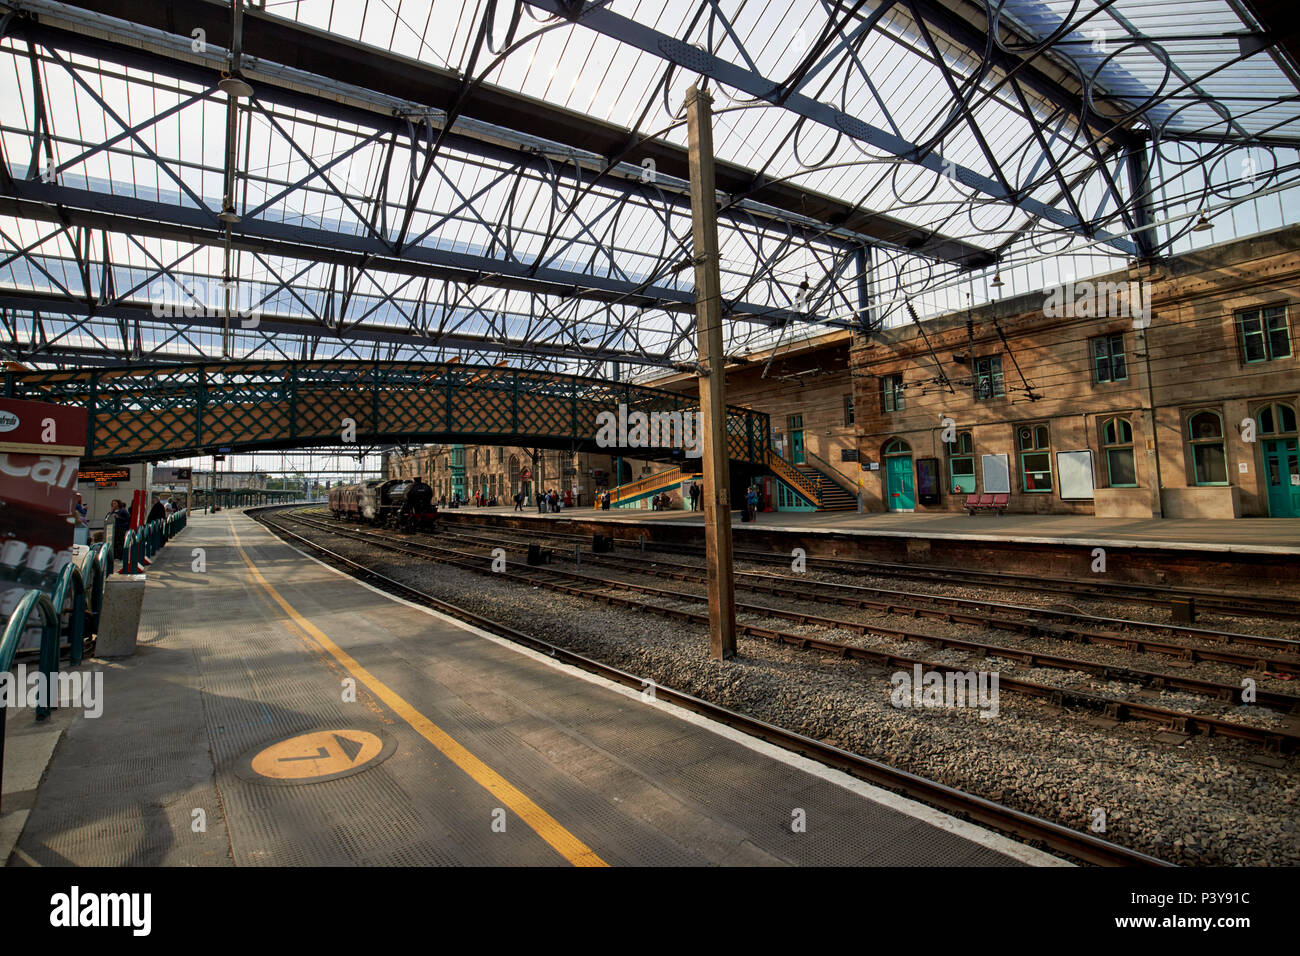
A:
1029,622
1255,605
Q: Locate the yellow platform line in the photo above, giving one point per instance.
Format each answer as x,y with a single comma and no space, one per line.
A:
541,822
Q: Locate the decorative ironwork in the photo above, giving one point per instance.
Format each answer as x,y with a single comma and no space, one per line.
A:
172,411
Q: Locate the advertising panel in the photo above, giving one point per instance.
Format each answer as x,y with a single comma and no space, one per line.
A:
40,448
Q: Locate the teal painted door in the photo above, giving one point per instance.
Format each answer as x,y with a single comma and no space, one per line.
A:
796,439
901,490
1282,473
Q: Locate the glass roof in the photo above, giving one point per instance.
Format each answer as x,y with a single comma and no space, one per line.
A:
885,154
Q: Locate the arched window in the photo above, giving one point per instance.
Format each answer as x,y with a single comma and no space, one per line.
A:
896,446
1209,459
1035,458
1117,446
1276,419
514,473
961,464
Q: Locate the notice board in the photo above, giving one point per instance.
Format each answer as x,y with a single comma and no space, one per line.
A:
997,474
1075,471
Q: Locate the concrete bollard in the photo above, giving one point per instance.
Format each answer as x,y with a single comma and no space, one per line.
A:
120,620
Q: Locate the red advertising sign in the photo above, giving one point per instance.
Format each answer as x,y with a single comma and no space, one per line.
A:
40,449
40,428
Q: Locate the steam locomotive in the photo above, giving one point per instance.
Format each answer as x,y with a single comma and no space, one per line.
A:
384,504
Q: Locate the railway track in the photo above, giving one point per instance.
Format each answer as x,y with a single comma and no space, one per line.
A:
597,588
1205,601
1082,846
1028,619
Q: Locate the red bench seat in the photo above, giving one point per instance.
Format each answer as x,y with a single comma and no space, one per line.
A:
990,502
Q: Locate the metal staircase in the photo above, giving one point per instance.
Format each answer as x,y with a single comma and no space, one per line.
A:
831,496
651,485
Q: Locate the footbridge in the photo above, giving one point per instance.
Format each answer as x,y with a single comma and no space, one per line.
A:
160,412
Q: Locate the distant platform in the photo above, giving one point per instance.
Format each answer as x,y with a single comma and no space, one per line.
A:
279,712
1266,536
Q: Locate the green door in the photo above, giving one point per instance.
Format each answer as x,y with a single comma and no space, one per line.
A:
796,439
898,473
1282,473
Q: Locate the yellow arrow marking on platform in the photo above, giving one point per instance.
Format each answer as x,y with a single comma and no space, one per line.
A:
319,754
541,822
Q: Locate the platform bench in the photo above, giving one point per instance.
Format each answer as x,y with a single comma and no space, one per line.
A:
996,503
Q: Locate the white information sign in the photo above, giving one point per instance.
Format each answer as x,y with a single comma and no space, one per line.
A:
1075,471
997,474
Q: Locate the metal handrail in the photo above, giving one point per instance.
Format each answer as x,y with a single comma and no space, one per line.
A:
793,477
642,485
98,563
13,633
834,473
130,544
71,577
18,624
144,542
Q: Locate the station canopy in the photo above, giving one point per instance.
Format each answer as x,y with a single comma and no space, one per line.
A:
495,182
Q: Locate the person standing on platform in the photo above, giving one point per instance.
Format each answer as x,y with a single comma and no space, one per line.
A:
751,502
519,501
120,515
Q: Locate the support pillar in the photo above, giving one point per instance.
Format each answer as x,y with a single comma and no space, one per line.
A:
713,400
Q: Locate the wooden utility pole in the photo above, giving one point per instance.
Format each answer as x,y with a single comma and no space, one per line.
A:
713,383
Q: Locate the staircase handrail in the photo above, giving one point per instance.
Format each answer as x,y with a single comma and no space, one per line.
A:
793,477
834,474
642,485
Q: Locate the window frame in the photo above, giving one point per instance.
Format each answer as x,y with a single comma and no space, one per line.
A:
848,409
1044,450
1108,341
889,391
961,451
1194,443
1119,446
1265,333
1274,408
997,385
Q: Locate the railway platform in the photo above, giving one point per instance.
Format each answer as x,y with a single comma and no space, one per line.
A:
279,712
1247,555
1275,536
